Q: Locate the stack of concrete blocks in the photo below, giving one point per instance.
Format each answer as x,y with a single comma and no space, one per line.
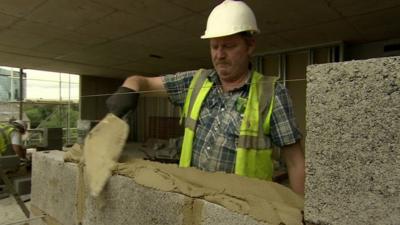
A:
353,143
22,185
58,192
53,138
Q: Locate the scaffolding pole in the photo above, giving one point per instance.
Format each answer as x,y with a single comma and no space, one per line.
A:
21,92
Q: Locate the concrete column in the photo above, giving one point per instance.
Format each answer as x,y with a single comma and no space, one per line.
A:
353,143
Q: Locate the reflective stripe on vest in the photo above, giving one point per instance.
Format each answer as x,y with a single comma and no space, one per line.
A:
198,89
5,137
253,156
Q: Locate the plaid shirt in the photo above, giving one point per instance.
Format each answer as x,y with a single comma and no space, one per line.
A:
217,130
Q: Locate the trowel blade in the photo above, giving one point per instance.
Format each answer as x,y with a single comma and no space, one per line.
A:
102,148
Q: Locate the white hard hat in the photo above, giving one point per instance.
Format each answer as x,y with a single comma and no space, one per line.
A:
230,17
20,125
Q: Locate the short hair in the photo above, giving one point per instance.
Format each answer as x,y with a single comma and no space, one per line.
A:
247,36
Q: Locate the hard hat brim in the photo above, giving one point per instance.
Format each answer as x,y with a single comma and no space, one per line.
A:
208,36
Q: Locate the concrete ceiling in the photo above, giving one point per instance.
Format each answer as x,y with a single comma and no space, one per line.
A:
116,38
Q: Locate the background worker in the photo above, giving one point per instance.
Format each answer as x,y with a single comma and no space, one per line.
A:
11,138
231,121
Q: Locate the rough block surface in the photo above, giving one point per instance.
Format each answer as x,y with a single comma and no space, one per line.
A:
125,202
22,185
59,192
213,214
353,142
54,185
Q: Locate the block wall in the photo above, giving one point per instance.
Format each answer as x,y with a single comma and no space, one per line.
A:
353,143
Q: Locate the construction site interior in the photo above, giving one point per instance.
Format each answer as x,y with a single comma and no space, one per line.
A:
60,60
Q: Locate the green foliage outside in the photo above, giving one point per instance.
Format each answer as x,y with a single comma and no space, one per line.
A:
51,115
54,116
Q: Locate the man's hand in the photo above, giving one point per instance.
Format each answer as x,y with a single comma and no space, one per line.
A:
294,158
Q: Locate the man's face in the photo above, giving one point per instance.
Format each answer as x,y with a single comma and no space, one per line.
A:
230,56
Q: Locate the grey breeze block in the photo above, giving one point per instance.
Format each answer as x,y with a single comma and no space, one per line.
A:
353,143
56,190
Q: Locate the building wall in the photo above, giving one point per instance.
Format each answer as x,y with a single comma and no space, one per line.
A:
296,64
373,50
291,66
94,91
155,117
153,114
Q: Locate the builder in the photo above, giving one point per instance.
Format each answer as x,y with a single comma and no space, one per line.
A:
11,138
233,115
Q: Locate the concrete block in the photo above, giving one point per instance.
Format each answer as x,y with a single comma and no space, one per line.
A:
39,217
54,186
59,191
53,138
352,143
55,192
125,202
22,185
213,214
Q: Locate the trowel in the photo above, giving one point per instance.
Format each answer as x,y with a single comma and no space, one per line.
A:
102,149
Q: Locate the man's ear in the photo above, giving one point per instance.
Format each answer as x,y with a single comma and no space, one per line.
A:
251,44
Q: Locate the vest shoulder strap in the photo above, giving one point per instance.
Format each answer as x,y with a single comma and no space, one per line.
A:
185,109
198,82
197,86
267,100
267,84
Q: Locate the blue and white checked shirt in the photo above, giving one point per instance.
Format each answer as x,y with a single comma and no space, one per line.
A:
217,130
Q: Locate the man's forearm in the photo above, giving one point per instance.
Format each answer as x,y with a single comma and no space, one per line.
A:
125,99
295,162
296,179
21,152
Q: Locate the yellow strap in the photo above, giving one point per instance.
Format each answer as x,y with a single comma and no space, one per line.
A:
189,95
267,121
192,107
186,153
250,120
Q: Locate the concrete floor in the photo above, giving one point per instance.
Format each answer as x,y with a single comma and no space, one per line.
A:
10,211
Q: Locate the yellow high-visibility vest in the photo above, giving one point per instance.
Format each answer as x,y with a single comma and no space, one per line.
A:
5,138
254,151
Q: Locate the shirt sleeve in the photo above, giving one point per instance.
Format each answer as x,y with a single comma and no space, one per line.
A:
177,86
16,138
284,129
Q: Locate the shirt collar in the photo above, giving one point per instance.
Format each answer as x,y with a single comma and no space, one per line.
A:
213,77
